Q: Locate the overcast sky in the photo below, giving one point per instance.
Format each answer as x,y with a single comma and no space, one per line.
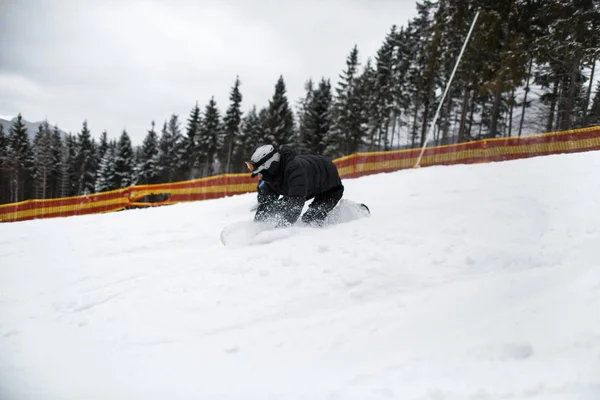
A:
123,63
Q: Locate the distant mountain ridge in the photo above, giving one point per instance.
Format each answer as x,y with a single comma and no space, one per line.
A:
32,127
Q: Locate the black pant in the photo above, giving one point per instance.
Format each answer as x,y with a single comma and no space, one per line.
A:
322,205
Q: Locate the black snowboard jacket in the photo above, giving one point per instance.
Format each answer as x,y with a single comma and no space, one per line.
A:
300,177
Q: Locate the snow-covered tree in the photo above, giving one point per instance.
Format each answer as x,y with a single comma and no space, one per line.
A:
169,148
19,162
124,161
69,177
189,145
43,160
594,113
209,136
107,176
280,118
251,135
4,176
57,149
147,169
231,127
318,119
347,127
304,113
102,147
85,161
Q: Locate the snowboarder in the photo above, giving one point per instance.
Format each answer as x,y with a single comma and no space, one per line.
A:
288,180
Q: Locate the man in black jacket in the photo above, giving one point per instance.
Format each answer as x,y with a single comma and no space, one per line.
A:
288,180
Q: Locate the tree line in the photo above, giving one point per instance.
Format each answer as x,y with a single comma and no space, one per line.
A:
529,66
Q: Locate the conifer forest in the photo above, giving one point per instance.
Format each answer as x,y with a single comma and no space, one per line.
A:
529,67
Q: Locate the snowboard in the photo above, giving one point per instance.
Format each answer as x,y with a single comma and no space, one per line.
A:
244,233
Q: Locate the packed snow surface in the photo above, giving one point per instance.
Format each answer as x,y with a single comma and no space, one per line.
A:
467,282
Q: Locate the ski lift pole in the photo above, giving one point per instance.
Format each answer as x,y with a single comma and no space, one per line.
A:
437,113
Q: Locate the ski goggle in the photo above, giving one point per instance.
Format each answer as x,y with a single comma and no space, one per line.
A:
253,166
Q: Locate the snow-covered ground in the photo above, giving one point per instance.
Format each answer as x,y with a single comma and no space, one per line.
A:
467,282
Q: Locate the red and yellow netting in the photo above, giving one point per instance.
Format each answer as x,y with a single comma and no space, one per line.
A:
352,166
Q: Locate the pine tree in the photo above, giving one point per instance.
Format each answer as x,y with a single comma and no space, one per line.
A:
147,168
137,161
263,132
428,64
209,136
318,121
467,86
304,116
180,170
20,162
401,99
107,177
594,113
194,123
500,37
43,160
566,42
85,162
517,59
57,167
363,110
170,151
280,119
347,129
528,17
251,136
384,89
102,147
4,180
190,144
69,176
124,161
231,127
3,142
166,156
447,52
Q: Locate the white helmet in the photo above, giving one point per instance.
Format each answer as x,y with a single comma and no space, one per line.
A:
262,159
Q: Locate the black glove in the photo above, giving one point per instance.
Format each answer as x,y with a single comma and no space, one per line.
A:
290,209
283,212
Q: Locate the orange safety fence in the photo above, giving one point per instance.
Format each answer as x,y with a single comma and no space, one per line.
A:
198,189
482,151
352,166
131,197
65,207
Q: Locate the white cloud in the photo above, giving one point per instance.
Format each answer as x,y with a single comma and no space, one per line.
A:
123,64
20,87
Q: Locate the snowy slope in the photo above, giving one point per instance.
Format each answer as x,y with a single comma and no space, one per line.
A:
467,282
